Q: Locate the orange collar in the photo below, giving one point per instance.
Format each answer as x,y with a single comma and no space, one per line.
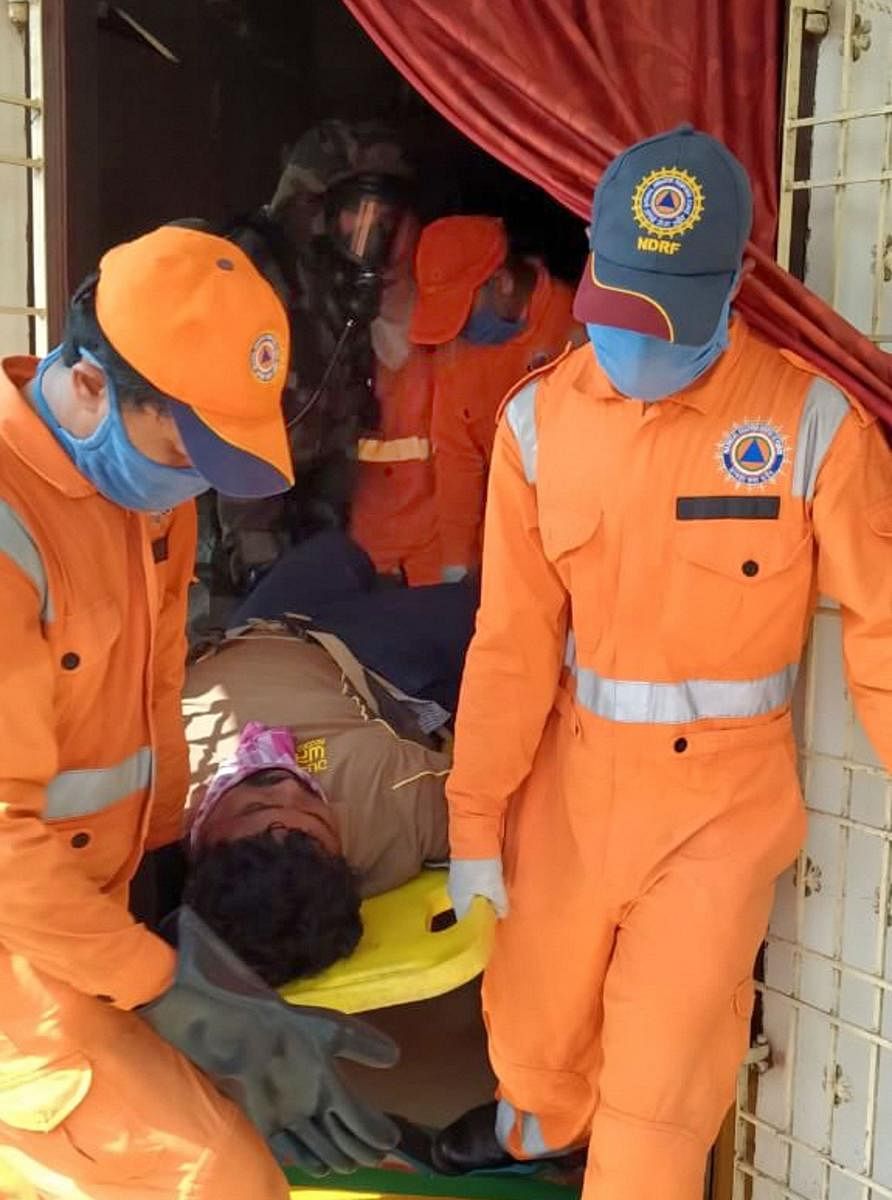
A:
28,437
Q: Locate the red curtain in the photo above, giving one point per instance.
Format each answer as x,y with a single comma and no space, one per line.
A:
555,88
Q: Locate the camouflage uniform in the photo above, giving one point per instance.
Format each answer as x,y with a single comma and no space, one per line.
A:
289,242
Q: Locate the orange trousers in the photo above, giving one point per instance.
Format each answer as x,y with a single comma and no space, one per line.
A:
150,1126
640,864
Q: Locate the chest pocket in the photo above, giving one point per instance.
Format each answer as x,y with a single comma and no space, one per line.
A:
81,643
738,598
571,539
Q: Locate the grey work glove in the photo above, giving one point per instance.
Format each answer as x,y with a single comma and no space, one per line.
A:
275,1060
470,877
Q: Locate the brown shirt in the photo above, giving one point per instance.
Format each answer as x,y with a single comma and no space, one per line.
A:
386,791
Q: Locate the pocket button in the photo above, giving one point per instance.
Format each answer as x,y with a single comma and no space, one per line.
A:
750,568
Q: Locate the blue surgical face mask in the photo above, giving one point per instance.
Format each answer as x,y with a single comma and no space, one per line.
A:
486,328
112,463
649,368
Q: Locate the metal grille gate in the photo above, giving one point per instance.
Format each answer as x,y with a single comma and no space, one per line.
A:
818,1125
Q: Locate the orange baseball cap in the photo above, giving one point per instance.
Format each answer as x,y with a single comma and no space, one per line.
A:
192,314
455,256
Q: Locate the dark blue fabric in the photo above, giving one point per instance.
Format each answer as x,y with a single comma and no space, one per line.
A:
415,637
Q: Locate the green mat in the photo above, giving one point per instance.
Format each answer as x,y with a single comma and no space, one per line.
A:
503,1186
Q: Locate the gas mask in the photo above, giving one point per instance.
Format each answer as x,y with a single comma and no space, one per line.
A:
366,222
369,229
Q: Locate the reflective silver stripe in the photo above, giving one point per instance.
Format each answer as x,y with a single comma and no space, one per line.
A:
531,1137
824,411
570,652
521,417
16,543
84,793
629,702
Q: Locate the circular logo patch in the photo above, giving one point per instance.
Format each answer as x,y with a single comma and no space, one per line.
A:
668,202
753,454
265,355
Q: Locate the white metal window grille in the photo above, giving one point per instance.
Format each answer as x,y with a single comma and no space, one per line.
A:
818,1125
23,324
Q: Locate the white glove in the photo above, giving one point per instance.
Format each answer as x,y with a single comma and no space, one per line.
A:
470,877
453,574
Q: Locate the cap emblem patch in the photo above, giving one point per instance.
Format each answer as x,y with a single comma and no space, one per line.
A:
265,357
667,203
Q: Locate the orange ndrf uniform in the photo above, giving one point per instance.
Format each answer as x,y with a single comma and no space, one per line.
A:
93,760
469,385
624,737
393,515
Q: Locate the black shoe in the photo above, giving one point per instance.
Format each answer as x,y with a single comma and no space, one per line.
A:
470,1144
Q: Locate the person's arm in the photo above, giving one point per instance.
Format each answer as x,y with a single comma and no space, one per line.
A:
852,514
460,482
171,752
514,663
50,912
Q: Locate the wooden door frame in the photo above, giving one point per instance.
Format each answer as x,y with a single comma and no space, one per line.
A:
71,130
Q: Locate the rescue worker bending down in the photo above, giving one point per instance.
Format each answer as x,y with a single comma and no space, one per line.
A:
306,796
664,507
328,240
117,1054
493,316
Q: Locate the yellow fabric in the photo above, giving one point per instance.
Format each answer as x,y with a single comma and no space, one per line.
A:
400,960
405,449
14,1187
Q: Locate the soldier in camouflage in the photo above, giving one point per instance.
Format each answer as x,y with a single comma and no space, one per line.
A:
325,242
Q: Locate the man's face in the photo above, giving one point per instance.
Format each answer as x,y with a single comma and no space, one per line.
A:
270,801
79,397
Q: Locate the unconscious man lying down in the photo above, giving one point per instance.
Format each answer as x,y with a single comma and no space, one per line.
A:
315,784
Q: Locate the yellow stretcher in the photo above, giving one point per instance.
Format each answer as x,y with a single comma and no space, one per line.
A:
409,951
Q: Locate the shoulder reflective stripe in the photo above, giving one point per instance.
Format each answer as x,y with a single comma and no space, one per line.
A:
407,449
824,411
16,543
86,792
630,702
570,652
521,417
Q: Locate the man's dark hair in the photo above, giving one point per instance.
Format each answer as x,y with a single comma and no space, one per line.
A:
522,269
285,906
82,332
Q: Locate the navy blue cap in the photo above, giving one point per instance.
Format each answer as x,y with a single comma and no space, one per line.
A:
670,221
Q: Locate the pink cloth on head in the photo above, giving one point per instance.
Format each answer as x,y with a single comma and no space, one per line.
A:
260,748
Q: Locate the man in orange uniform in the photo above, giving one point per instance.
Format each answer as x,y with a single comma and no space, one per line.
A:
111,1044
662,514
394,511
495,317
